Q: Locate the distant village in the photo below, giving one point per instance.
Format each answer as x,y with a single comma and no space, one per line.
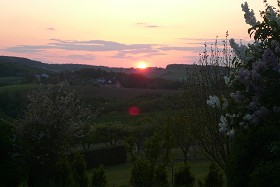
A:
102,82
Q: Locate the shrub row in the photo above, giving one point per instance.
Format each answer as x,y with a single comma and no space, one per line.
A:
106,157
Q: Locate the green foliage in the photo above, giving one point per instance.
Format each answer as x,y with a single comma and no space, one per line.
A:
140,173
110,132
181,131
11,170
54,120
98,177
253,150
214,177
208,79
106,156
62,173
255,86
145,175
161,178
79,170
149,168
266,174
183,176
13,99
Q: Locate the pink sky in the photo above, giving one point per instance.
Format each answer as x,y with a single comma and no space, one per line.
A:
118,33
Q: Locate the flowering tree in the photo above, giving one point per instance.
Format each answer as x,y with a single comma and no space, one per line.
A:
253,114
255,80
206,79
53,122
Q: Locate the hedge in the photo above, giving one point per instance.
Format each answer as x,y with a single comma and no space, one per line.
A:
106,156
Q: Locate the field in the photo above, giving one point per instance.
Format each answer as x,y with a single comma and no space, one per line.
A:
18,88
120,94
9,80
119,175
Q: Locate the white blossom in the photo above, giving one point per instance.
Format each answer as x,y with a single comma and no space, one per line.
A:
249,15
214,101
230,133
225,104
247,117
227,80
240,50
223,124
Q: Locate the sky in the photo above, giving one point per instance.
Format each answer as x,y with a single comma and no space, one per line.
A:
119,33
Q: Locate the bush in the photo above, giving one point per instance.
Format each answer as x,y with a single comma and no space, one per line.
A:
107,156
79,170
271,171
214,177
11,171
160,178
184,176
250,151
140,173
62,173
99,177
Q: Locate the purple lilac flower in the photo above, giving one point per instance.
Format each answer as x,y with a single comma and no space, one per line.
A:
269,57
276,109
258,115
249,15
244,76
237,96
253,106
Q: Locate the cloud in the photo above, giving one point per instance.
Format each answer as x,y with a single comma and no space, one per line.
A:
201,41
76,45
28,48
141,23
51,29
138,52
86,57
184,48
122,50
152,26
146,25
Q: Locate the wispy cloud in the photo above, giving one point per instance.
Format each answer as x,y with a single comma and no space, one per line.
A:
121,50
183,48
76,45
138,52
200,41
51,29
86,57
146,25
28,48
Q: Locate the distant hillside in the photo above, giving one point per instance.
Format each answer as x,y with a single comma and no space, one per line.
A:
17,66
20,67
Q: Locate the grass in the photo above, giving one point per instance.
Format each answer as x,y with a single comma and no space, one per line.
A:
119,175
18,88
10,80
120,94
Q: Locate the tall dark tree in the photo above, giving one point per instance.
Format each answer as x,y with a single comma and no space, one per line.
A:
54,121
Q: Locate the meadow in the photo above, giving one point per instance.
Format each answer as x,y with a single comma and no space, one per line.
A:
119,175
120,94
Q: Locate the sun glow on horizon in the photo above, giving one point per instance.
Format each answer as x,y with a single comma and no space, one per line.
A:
142,65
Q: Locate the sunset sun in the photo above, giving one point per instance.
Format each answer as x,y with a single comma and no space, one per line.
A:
142,65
